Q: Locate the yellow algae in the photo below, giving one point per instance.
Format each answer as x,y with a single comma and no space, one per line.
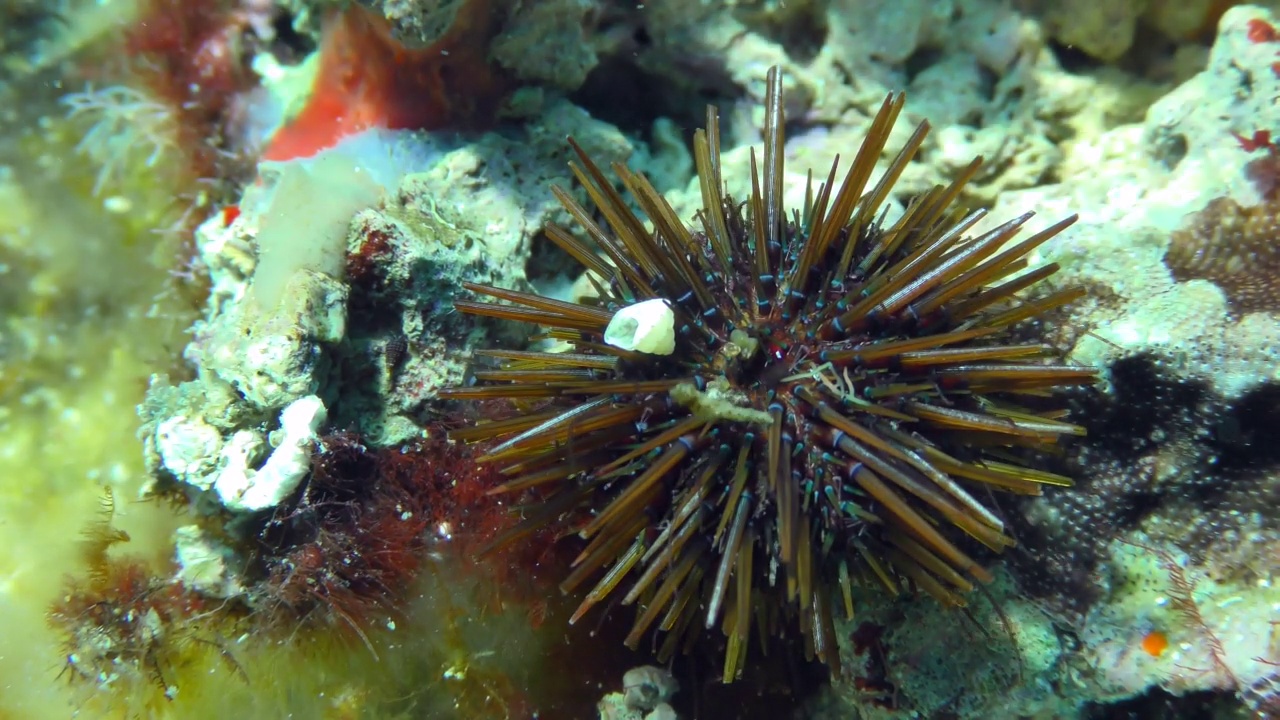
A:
435,657
80,333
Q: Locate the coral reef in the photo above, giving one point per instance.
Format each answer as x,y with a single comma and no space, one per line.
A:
1006,659
1107,31
549,43
330,315
1188,156
1156,572
316,178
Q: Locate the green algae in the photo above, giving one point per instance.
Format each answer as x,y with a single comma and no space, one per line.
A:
85,320
89,316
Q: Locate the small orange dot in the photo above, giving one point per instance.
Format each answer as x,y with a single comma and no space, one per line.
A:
1154,643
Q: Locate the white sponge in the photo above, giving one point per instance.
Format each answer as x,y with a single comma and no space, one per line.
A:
647,327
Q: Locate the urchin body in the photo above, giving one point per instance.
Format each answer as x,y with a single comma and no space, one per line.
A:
836,388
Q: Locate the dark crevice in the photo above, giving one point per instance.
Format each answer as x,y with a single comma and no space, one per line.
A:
800,28
1247,436
290,46
1072,59
622,92
1144,407
1159,704
920,60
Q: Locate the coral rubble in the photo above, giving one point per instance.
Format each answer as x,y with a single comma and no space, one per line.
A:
644,696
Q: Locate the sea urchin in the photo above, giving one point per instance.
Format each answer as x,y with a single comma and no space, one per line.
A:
837,387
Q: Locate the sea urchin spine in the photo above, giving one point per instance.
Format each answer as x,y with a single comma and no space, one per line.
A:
838,385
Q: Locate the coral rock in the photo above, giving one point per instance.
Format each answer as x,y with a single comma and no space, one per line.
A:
1235,248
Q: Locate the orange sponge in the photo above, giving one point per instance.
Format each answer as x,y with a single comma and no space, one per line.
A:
368,79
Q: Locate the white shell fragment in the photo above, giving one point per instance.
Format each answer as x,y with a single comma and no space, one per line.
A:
242,488
647,327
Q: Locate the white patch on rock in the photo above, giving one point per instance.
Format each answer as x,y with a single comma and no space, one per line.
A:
188,448
202,563
242,488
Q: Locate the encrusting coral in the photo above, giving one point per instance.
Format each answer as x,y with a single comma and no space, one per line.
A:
1235,248
837,383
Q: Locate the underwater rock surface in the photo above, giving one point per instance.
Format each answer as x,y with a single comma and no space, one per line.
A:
296,321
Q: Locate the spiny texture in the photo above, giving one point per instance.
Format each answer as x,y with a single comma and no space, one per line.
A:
1236,248
841,389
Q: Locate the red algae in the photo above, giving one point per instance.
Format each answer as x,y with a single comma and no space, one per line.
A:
358,536
124,620
348,546
123,624
388,539
367,79
192,49
365,266
194,56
